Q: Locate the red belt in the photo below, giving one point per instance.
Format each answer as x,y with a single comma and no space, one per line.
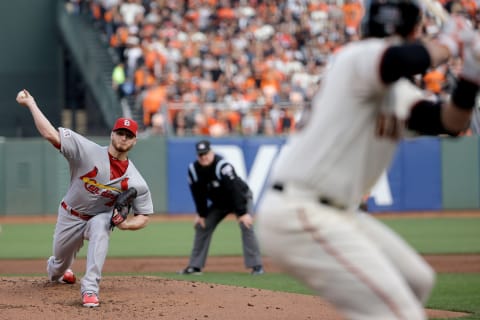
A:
82,216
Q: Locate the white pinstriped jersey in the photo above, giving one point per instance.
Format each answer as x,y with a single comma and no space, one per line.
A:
338,153
91,191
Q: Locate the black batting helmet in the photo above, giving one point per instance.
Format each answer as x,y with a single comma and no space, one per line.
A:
384,18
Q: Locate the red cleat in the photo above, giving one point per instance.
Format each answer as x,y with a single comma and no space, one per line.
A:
90,299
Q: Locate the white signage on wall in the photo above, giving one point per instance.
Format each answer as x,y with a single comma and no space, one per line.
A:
260,168
256,178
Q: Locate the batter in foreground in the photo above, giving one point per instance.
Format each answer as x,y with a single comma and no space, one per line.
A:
90,210
309,222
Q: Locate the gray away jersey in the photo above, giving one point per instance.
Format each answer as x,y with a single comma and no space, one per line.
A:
91,191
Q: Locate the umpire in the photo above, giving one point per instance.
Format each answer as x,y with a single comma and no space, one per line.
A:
217,191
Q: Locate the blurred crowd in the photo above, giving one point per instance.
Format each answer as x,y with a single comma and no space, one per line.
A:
234,67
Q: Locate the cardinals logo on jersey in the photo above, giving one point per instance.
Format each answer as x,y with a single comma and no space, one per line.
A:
94,187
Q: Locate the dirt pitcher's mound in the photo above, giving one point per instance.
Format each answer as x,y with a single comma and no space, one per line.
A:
158,298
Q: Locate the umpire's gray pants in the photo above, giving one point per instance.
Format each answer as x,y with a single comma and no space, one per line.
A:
203,236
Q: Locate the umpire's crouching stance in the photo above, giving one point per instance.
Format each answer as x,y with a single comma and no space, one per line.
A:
212,178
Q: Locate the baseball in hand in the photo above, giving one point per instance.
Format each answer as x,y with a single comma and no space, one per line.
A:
21,94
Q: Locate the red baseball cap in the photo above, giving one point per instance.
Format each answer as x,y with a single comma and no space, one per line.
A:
125,123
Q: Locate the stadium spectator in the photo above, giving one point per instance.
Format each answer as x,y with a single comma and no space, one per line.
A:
155,97
119,78
234,55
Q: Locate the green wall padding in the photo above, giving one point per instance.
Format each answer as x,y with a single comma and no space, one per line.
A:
35,176
33,60
24,177
2,176
56,178
460,173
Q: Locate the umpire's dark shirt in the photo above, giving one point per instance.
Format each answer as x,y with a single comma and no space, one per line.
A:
219,184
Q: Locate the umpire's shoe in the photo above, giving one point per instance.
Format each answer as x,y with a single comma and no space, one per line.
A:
257,270
191,270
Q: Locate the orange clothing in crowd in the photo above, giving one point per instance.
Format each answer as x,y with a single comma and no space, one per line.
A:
249,83
352,13
153,100
217,125
234,118
120,37
226,13
266,10
470,6
318,6
96,10
192,15
434,81
218,46
211,3
143,78
272,78
108,16
251,95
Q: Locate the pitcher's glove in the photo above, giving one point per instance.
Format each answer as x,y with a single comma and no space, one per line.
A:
122,207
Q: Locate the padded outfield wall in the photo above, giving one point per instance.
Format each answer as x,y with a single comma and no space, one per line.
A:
31,58
427,174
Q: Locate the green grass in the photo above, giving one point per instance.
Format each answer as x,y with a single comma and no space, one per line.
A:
158,239
439,235
456,292
427,235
